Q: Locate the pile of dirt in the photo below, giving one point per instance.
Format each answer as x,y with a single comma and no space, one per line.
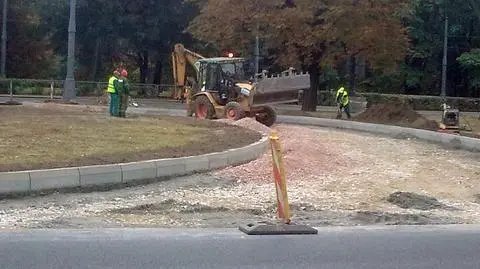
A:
396,114
249,123
412,200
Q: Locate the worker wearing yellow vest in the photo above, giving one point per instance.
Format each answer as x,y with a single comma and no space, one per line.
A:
114,99
343,102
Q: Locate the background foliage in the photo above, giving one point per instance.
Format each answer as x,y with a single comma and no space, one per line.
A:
384,46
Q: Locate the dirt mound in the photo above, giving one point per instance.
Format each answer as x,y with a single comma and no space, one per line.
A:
396,114
413,200
249,123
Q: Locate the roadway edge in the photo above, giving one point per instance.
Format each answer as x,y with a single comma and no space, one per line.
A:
447,140
24,182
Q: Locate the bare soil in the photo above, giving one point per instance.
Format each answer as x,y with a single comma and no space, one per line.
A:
333,178
396,114
54,136
413,200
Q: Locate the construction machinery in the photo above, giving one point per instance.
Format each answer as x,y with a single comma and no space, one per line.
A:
450,118
224,87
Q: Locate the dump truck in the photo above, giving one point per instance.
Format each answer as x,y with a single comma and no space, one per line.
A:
225,87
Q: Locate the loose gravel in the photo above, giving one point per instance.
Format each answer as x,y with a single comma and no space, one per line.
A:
334,178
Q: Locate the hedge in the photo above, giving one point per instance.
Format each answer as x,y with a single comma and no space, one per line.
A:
417,102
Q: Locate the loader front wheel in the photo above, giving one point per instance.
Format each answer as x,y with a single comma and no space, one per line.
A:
204,108
233,111
266,116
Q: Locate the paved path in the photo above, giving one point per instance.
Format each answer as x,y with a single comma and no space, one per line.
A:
346,248
169,104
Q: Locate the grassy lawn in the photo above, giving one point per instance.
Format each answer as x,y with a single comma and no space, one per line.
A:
55,136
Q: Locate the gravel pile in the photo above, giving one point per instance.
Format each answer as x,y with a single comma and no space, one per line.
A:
249,123
306,157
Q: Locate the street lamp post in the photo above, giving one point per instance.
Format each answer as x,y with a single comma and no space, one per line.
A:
69,91
257,50
444,62
4,39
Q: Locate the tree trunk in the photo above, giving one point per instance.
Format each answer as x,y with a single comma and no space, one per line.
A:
157,76
96,54
352,75
143,65
310,96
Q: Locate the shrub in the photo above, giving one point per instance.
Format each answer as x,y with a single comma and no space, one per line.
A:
417,102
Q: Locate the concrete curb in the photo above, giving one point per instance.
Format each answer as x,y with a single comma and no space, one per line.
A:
100,175
448,140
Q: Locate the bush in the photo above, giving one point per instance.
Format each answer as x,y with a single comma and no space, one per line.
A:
417,102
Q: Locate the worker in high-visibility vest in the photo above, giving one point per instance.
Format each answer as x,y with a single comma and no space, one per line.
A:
114,99
343,102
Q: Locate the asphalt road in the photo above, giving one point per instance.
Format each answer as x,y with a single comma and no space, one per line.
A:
346,248
175,105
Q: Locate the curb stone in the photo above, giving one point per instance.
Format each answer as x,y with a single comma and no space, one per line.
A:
101,175
447,140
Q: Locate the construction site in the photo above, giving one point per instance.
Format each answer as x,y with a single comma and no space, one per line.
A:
334,177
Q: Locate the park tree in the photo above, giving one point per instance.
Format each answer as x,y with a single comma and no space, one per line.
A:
307,33
370,29
30,53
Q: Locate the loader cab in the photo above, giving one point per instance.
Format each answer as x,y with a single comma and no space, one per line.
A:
214,70
219,77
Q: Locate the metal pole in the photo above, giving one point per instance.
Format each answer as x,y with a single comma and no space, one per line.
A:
51,90
444,64
69,87
257,51
11,91
4,39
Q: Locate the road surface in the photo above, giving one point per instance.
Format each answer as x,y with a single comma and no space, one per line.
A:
347,248
175,105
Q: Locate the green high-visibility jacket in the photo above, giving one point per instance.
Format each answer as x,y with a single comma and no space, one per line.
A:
342,96
121,86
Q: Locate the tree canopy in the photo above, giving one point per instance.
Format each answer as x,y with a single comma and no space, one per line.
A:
391,46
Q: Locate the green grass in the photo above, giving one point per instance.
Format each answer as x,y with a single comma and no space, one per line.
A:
33,136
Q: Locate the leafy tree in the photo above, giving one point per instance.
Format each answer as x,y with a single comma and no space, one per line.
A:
470,63
29,50
305,33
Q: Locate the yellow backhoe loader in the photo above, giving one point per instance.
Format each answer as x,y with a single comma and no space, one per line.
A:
224,88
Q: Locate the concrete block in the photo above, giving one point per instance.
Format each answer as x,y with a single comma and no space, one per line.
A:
259,148
170,167
196,164
241,155
139,171
218,160
269,228
54,178
99,175
11,182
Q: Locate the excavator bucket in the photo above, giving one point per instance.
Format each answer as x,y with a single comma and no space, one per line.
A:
278,89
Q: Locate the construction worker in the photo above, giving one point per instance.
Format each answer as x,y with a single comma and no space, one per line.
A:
121,87
113,108
343,102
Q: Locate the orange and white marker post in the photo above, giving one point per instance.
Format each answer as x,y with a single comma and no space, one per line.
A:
280,179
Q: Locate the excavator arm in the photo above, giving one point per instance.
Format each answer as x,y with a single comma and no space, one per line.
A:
180,57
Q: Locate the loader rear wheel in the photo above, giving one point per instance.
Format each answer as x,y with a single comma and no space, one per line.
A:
266,116
233,111
204,108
